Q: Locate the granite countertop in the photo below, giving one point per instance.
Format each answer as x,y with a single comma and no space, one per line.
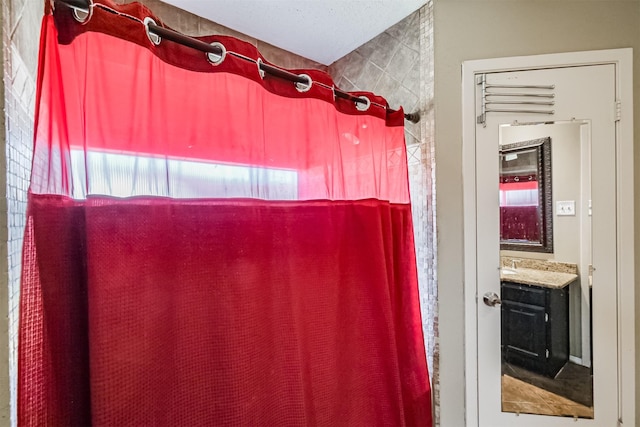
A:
546,279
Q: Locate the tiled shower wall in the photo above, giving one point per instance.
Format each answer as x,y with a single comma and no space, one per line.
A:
398,64
20,35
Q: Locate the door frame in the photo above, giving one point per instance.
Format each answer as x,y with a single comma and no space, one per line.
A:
623,60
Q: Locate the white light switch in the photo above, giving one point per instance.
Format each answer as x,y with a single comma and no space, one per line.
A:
566,207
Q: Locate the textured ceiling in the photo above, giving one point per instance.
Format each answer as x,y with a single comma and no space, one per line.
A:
321,30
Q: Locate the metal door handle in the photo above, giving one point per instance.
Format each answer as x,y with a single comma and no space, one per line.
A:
491,299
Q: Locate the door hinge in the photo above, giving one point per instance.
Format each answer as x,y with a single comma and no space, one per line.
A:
547,353
546,317
617,110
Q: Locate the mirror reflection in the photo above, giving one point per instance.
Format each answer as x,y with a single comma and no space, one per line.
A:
525,196
546,288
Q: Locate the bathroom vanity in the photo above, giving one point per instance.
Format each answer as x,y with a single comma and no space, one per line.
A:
535,319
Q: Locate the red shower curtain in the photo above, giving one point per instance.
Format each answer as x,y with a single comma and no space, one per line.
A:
209,246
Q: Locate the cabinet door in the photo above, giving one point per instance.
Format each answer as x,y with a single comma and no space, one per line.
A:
524,335
525,294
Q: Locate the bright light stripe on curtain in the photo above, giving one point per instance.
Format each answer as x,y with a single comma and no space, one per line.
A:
123,175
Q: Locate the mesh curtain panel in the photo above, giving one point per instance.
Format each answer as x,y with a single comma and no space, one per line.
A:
207,245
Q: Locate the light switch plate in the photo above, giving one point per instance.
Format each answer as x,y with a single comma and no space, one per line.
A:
566,208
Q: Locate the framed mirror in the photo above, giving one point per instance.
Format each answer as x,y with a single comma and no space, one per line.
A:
526,222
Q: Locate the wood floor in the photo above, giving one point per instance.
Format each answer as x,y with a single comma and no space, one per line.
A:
521,397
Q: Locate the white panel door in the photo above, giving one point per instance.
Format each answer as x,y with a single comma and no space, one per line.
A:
585,94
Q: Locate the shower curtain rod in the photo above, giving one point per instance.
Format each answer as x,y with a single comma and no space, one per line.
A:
174,36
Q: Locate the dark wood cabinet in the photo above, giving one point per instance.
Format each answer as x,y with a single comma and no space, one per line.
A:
535,327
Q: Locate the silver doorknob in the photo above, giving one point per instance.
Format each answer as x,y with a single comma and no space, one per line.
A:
491,299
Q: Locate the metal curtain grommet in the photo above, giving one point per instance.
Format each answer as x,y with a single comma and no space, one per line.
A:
260,70
304,87
83,15
217,58
154,38
363,106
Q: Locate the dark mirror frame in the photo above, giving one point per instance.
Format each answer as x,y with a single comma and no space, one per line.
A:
545,204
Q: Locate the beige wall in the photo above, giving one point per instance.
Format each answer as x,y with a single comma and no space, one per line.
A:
472,29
